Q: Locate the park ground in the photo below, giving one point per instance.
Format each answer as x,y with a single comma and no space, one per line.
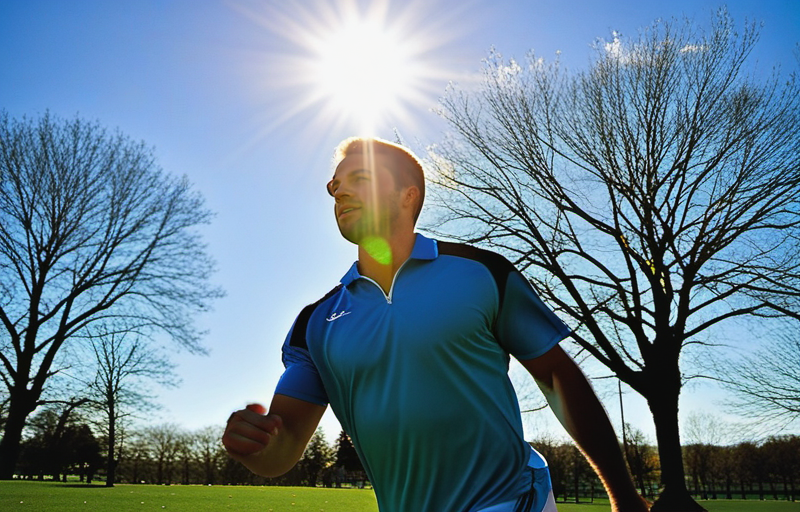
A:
73,497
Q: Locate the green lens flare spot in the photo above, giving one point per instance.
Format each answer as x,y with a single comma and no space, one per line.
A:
378,249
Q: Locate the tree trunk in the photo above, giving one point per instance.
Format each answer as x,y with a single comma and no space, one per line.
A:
18,411
135,476
209,471
674,497
111,466
576,476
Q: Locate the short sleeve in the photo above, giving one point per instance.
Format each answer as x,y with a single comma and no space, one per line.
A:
525,326
300,379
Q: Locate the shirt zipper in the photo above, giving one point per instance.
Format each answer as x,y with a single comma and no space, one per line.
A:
391,288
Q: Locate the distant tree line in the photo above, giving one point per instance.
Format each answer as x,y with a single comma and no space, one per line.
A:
767,470
748,470
59,446
60,442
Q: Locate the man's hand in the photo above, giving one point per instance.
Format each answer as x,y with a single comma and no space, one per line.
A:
271,444
250,430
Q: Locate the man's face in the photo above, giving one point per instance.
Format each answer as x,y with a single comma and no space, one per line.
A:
367,203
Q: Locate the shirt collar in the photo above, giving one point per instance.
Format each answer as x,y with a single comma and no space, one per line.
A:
424,249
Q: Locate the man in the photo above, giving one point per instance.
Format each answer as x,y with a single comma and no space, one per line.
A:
412,349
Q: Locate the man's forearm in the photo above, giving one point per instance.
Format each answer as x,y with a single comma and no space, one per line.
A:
584,417
587,422
577,407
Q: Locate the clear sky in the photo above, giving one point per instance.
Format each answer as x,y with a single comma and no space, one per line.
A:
224,92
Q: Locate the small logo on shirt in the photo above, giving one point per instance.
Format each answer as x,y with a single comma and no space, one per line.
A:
338,315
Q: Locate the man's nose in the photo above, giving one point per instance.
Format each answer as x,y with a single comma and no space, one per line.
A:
341,193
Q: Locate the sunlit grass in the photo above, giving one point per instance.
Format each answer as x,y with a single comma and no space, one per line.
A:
58,497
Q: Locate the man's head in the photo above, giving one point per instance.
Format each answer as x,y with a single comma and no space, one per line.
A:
377,186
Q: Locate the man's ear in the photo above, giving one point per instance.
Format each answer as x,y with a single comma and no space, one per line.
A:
410,197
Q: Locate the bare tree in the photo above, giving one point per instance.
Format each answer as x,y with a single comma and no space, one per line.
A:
209,452
135,458
185,455
703,433
164,441
642,460
124,362
649,199
706,429
90,229
766,381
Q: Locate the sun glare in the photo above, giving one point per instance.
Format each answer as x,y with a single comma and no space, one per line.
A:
355,65
364,71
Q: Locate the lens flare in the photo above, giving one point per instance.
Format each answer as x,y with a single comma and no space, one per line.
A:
352,68
378,249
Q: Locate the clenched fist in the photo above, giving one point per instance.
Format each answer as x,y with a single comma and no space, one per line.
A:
250,430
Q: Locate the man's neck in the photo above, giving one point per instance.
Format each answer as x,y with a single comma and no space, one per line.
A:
382,268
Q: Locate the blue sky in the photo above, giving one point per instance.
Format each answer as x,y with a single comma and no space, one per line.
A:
213,85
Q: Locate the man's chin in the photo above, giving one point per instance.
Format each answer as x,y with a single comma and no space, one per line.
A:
359,237
351,235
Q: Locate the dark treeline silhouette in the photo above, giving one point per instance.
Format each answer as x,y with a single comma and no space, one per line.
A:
58,447
60,442
767,470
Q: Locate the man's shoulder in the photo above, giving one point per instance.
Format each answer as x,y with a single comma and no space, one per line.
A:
462,250
298,338
496,263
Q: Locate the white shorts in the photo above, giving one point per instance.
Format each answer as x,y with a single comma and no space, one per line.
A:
511,506
540,498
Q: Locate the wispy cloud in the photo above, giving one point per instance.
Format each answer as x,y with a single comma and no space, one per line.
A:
694,48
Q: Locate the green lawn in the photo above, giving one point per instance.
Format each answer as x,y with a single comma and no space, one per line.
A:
57,497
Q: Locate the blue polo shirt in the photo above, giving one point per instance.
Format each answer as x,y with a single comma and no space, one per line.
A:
419,378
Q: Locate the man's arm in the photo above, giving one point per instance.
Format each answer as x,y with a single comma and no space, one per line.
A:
580,412
271,444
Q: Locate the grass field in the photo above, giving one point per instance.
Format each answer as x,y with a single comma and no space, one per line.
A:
58,497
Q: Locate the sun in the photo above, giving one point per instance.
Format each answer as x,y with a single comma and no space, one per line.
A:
354,66
364,71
